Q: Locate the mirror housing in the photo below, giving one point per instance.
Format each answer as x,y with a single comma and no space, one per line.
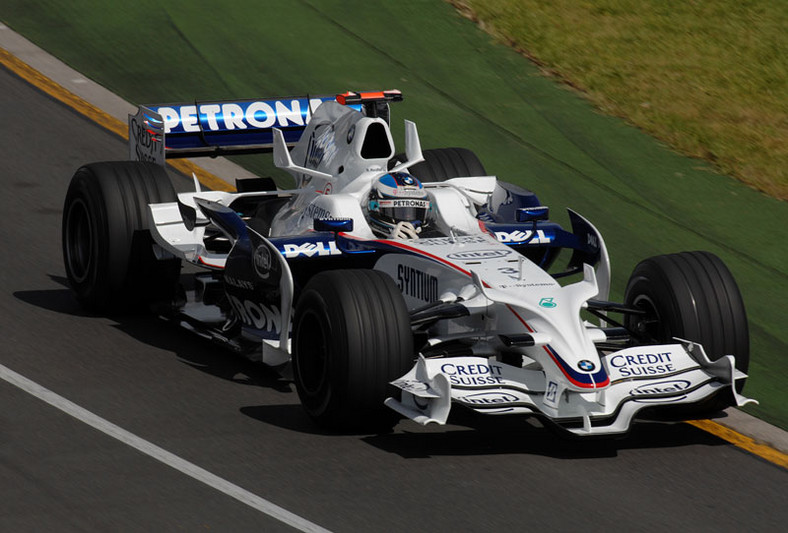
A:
334,225
532,214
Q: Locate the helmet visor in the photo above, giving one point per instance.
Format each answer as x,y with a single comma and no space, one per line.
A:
404,209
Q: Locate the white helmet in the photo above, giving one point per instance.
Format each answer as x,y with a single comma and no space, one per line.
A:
394,198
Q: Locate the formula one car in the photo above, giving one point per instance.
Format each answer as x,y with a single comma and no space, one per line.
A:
414,281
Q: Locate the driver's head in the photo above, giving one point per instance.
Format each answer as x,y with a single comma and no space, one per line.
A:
397,197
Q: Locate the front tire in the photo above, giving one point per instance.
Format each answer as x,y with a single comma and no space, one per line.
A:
107,247
351,337
693,296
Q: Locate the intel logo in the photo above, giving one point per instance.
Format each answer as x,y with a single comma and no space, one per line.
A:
666,388
262,261
489,398
478,255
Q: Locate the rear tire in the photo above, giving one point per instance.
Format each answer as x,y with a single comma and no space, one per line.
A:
693,296
351,337
441,164
107,247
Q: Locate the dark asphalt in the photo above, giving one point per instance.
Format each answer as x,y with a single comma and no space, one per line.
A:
240,422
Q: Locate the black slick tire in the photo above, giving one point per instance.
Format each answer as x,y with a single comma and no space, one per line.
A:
107,247
351,337
692,296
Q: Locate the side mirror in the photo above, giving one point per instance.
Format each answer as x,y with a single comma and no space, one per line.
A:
225,218
334,225
532,214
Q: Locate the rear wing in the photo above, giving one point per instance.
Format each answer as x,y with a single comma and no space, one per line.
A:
162,131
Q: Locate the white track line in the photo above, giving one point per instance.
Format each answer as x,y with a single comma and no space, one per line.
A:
160,454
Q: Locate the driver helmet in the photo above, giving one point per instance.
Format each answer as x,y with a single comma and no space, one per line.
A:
397,197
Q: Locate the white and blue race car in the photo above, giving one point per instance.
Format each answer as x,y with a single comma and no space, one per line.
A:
412,281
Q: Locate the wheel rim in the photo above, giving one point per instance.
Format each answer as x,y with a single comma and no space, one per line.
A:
313,355
649,326
79,241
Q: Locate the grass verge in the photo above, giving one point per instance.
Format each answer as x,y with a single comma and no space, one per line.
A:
708,78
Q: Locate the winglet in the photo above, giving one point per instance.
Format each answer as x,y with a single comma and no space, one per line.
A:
283,160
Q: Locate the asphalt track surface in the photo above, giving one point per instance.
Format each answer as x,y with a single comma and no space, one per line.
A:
243,424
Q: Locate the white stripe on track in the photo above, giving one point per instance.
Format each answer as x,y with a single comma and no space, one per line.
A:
160,454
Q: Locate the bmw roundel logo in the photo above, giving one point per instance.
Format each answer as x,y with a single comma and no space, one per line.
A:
586,365
407,180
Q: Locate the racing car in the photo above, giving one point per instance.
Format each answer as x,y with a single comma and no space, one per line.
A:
392,285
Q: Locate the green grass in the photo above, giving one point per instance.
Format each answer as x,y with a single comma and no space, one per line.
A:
462,89
708,78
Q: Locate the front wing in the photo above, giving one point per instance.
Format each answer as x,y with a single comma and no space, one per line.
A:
640,377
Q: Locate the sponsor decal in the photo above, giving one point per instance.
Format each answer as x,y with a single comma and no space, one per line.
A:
551,394
472,374
528,236
418,284
489,398
547,303
311,249
676,386
586,366
239,283
256,315
645,364
237,116
262,261
411,385
462,239
407,193
320,148
313,211
146,135
479,255
591,381
522,285
509,271
403,202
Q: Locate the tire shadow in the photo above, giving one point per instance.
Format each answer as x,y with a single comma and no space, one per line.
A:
291,417
471,434
191,349
493,435
60,301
